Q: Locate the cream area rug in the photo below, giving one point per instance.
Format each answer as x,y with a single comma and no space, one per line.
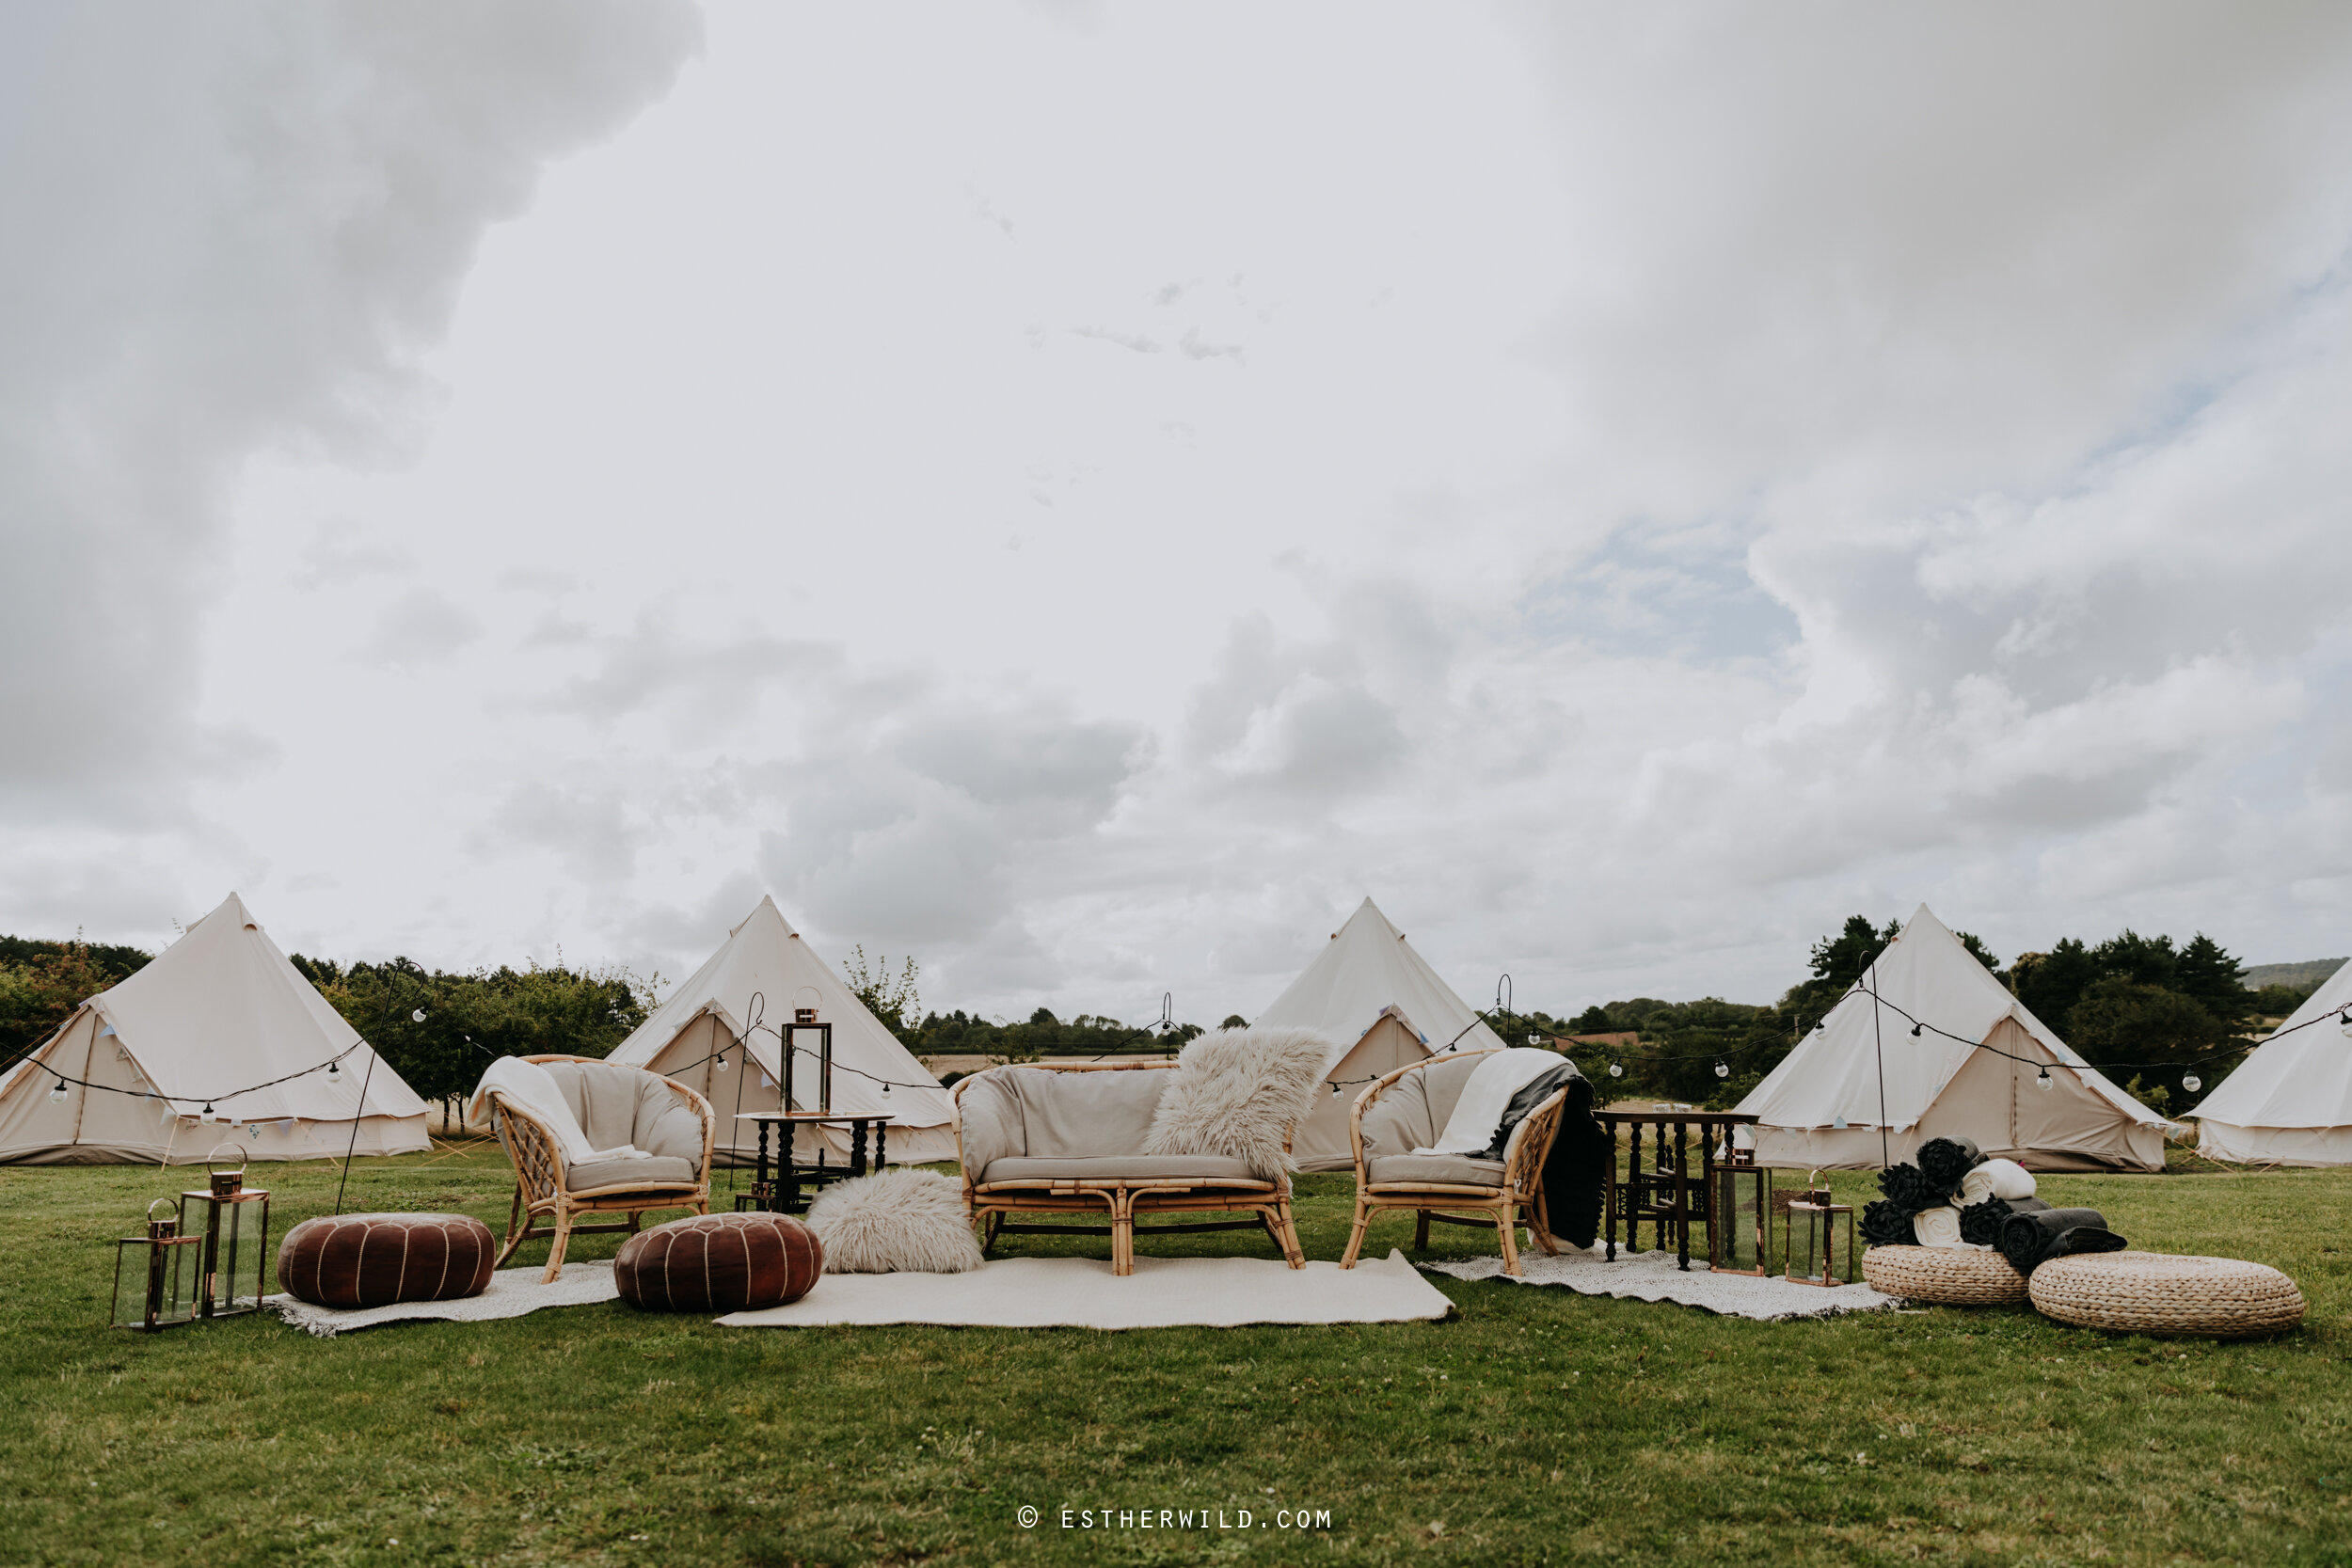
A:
1080,1292
1653,1276
510,1293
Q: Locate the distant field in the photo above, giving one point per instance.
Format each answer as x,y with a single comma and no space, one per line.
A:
1536,1426
2301,976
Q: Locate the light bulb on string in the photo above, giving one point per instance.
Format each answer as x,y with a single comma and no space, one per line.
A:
1616,1068
721,1063
57,1091
207,1111
1335,1091
1914,1031
417,1017
1722,1069
2190,1082
885,1086
334,1069
2043,1081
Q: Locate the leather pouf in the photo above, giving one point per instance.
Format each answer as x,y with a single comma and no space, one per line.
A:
719,1263
375,1259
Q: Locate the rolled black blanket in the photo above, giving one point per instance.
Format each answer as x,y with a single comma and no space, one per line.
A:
1577,1174
1908,1189
1945,1160
2031,1239
1886,1223
1980,1222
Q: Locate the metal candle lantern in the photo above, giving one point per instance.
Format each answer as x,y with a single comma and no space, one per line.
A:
804,1017
1820,1240
1739,1217
155,1274
232,1220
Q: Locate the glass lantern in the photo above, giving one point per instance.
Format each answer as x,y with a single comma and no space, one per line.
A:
232,1222
1820,1241
1738,1216
155,1274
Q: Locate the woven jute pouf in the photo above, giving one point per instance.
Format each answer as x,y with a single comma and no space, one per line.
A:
719,1263
1943,1276
377,1260
2155,1292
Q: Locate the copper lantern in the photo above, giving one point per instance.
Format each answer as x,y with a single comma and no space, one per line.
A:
1739,1218
232,1222
155,1274
1820,1239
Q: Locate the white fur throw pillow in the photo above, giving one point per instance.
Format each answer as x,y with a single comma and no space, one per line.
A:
902,1221
1236,1093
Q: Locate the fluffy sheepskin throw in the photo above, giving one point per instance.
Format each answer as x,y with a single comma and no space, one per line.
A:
897,1221
1236,1093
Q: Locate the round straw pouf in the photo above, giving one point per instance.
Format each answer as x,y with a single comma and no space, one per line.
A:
1941,1275
719,1263
2153,1293
377,1260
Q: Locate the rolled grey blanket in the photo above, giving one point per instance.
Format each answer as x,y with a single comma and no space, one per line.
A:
2031,1238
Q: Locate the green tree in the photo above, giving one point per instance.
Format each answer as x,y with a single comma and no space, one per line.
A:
2215,979
2049,984
41,993
888,997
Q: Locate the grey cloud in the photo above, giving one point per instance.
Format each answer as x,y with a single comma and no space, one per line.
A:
235,226
1133,343
593,832
699,681
1193,346
423,627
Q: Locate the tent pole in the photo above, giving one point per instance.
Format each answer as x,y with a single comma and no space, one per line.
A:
1878,1040
354,1129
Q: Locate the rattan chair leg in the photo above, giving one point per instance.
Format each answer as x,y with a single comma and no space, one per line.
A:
1292,1252
562,1240
1122,1233
1507,1228
517,1231
1356,1235
1420,1230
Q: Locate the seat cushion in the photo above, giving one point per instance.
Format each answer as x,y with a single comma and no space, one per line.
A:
377,1260
659,1170
719,1263
1459,1168
617,1106
1067,1115
1120,1167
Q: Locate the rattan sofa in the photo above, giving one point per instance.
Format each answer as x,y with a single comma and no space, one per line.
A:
615,1105
1406,1110
1056,1138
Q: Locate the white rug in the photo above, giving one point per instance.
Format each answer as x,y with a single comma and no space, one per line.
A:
1079,1293
510,1293
1653,1276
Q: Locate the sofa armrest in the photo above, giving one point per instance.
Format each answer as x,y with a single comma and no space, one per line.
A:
987,1123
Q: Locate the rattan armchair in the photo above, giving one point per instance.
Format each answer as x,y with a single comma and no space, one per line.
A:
1451,1189
546,1188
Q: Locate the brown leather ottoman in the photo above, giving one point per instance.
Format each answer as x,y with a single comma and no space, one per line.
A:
719,1263
375,1259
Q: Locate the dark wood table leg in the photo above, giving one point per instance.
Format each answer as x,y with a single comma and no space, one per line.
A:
1707,1186
1683,1199
1611,1184
882,1131
789,1170
857,1147
1633,1194
761,1191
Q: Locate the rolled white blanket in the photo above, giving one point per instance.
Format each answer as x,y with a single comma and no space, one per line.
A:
1937,1226
532,1087
2003,1179
1478,1114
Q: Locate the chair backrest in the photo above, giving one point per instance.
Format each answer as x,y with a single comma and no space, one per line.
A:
1071,1111
1412,1112
616,1106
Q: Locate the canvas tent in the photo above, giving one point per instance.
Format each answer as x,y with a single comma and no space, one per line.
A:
764,957
219,1011
1820,1107
2289,1103
1384,1008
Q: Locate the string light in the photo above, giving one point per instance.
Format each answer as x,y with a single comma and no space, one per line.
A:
334,1069
1722,1069
1616,1068
2043,1081
2190,1082
57,1093
721,1061
417,1017
1914,1030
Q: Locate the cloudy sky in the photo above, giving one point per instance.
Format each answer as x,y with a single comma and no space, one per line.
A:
1084,495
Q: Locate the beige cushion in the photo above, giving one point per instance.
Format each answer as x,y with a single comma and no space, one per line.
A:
619,1105
1118,1167
1412,1112
1072,1115
987,1120
1434,1167
662,1170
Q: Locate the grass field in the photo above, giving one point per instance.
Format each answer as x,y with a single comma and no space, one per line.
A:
1536,1426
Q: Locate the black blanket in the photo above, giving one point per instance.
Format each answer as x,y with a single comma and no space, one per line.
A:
1980,1222
1577,1173
1945,1160
2030,1239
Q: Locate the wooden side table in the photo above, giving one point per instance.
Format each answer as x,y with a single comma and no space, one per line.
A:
1670,1194
781,1194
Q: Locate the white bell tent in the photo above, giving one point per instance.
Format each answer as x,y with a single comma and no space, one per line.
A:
2289,1103
1384,1008
2008,1082
220,1011
713,1019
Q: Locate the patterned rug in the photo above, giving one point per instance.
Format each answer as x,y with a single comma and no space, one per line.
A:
1653,1276
510,1293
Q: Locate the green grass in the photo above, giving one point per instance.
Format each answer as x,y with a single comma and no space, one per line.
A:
1536,1426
